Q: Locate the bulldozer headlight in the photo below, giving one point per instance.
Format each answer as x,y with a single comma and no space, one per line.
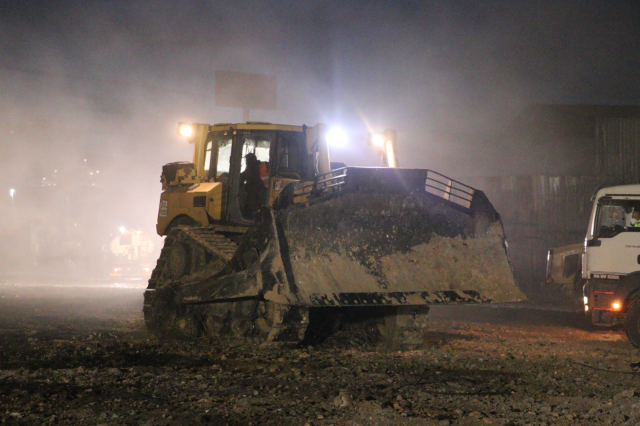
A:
616,306
586,308
336,137
377,140
185,130
585,299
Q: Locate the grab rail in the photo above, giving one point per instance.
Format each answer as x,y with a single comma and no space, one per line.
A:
445,187
323,181
435,183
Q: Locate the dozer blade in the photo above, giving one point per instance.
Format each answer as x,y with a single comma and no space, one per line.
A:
375,237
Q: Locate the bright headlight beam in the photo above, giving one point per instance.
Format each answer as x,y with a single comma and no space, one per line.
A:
336,137
185,130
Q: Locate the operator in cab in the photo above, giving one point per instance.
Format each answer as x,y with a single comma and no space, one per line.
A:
634,222
254,189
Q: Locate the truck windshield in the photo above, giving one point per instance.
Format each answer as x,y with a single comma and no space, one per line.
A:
616,216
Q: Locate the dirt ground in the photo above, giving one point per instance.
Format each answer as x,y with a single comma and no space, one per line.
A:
79,354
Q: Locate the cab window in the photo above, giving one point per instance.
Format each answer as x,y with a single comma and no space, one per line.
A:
224,155
207,156
617,216
258,144
290,154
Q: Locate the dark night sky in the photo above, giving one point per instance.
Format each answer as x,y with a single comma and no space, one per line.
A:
109,80
432,70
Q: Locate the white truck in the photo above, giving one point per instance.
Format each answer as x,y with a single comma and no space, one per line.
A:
611,261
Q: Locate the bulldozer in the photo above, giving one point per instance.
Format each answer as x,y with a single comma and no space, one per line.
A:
265,241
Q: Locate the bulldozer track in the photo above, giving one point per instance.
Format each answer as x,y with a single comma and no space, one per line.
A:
255,321
214,242
194,250
217,246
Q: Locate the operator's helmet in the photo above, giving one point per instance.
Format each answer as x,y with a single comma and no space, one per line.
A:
251,158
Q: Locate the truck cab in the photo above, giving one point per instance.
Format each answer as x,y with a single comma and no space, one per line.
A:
611,261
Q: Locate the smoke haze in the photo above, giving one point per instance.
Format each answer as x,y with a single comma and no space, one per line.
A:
108,82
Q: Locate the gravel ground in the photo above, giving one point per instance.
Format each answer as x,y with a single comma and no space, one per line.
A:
79,354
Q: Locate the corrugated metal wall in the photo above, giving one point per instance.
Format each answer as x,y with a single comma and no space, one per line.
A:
542,212
618,148
538,213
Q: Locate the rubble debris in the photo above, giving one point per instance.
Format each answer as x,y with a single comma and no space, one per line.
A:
470,371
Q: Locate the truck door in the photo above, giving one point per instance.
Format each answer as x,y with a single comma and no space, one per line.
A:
615,250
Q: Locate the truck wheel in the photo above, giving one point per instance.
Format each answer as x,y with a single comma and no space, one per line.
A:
632,324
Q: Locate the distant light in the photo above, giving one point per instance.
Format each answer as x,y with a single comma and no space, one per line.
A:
336,137
185,130
55,171
378,140
91,173
12,192
616,306
44,178
139,232
85,160
122,229
97,171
